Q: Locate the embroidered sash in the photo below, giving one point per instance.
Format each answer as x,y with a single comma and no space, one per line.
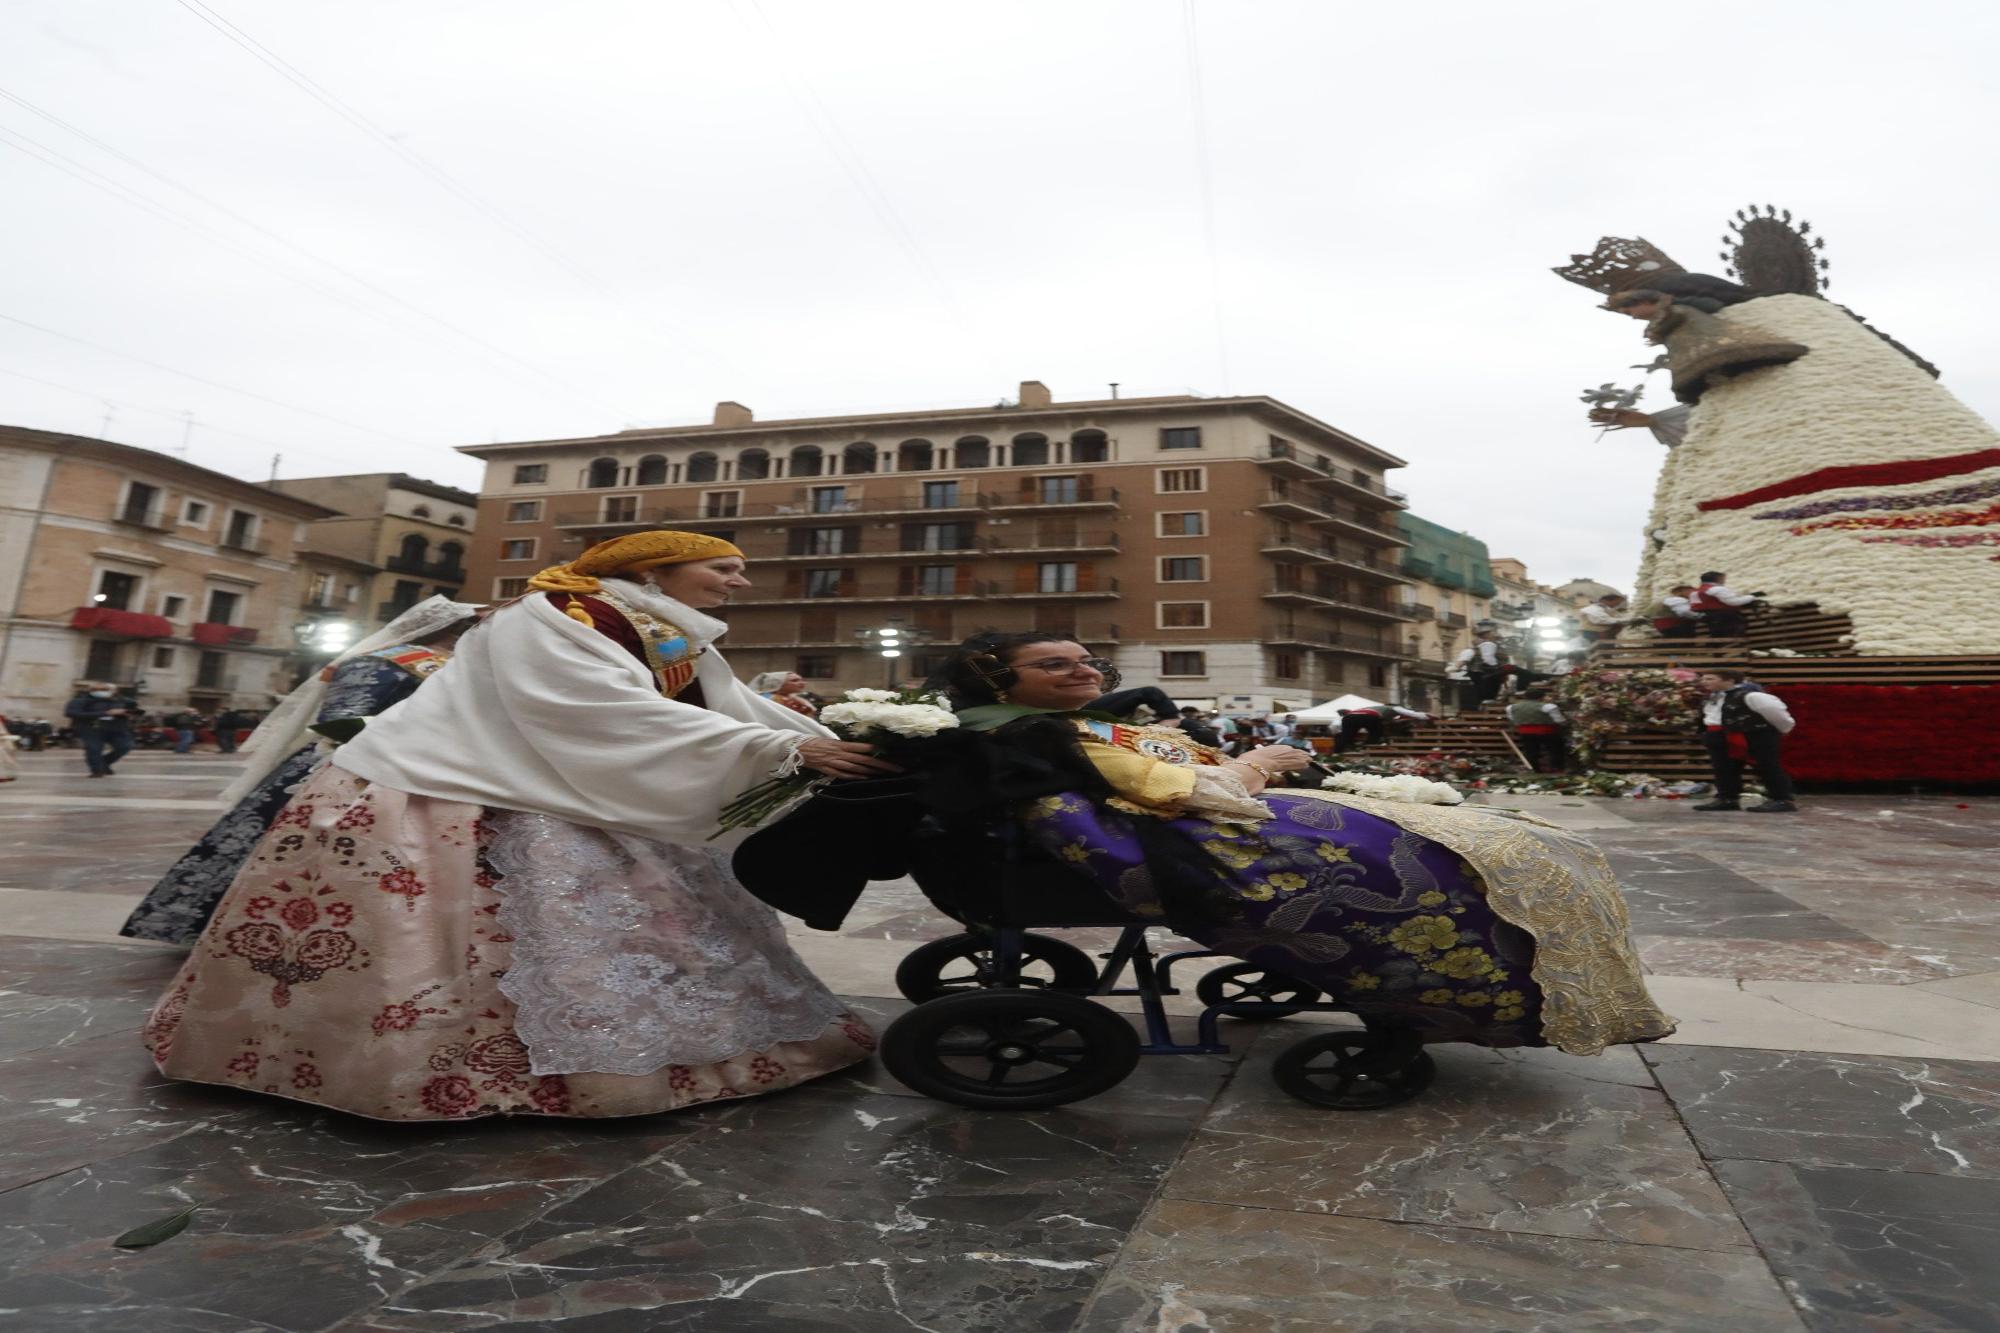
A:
1169,745
419,662
670,652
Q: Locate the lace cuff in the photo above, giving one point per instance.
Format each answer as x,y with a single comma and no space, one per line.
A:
1217,791
792,763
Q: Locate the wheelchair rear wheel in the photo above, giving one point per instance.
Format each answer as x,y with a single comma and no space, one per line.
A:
1355,1071
1010,1050
962,963
1275,994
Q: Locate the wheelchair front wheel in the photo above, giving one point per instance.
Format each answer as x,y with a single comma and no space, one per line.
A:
1010,1050
1355,1071
961,963
1275,994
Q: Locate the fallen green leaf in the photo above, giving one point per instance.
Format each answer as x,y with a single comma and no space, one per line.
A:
138,1238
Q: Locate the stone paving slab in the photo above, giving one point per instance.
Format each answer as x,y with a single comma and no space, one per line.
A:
1737,1178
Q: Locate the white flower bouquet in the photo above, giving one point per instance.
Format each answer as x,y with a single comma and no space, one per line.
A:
1415,790
868,716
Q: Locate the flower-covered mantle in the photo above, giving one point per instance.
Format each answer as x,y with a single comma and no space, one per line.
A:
1848,478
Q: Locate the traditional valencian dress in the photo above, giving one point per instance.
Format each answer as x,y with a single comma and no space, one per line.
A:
1464,923
179,906
501,897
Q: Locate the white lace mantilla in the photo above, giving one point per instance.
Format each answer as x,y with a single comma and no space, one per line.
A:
631,955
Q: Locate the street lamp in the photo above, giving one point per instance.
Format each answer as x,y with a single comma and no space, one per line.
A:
889,642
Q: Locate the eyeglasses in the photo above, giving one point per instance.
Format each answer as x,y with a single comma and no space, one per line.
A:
1058,666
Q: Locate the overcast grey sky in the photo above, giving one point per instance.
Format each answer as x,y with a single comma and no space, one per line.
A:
589,215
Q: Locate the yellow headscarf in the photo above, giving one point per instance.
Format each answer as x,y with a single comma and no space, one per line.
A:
631,554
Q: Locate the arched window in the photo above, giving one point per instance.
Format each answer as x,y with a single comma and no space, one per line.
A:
414,549
1089,446
1030,450
420,511
652,471
603,472
701,467
972,451
915,456
456,520
806,461
451,555
753,465
858,457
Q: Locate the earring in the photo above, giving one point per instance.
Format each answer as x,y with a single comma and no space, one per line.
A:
1000,696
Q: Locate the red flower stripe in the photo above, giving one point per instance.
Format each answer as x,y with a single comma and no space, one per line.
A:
1891,733
1861,474
1947,518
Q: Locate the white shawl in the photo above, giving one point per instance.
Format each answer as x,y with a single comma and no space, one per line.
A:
540,712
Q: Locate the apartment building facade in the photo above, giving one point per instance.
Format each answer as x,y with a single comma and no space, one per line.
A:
1451,596
402,539
1227,549
121,564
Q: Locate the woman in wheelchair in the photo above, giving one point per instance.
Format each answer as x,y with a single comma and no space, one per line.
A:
1460,923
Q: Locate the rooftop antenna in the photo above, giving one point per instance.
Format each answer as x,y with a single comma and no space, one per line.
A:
1114,390
110,411
187,432
274,467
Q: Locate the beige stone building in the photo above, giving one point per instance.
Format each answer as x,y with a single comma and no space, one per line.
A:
1538,623
1227,549
131,566
411,533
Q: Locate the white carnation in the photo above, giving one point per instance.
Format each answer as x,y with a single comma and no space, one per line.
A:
871,696
857,720
1408,788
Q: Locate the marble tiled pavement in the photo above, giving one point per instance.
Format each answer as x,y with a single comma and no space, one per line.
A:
1819,1148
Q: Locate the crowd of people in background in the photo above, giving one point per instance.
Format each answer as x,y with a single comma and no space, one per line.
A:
107,723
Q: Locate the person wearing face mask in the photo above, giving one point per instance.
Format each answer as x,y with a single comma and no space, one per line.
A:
507,895
102,720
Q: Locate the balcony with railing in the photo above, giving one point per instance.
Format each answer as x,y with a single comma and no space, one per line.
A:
1420,610
1451,620
1285,459
114,623
438,571
1330,640
1293,502
243,544
1355,523
1035,494
1296,548
211,634
1373,566
806,507
752,637
800,589
151,517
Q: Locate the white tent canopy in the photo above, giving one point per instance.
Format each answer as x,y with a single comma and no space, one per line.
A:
1329,712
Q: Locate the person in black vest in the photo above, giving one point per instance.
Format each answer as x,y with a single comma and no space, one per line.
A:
1741,720
101,719
227,723
1721,607
1538,726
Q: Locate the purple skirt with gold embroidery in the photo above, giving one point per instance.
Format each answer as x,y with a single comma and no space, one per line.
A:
1389,924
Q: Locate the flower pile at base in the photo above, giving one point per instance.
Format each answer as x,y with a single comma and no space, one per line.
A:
1601,705
868,716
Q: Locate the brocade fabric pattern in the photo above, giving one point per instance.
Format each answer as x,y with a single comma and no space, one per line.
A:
176,908
630,954
356,963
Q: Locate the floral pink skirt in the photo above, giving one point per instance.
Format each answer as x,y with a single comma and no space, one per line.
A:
356,962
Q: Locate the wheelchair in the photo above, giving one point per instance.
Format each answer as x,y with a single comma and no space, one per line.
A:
1005,1015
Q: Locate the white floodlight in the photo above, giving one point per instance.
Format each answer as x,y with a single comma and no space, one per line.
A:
892,652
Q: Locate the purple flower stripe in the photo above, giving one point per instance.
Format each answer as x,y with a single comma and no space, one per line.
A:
1972,490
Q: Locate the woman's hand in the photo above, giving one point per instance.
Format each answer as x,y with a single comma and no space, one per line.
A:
844,759
1279,758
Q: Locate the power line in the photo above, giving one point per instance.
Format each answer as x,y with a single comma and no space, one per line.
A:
120,190
464,193
1202,174
856,167
180,417
215,384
